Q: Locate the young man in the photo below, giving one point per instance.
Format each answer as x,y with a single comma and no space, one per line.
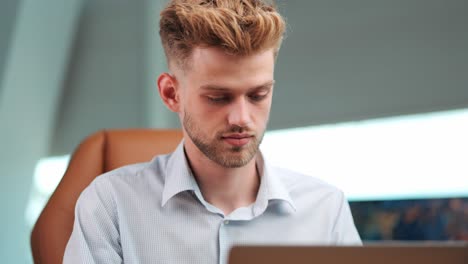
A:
215,190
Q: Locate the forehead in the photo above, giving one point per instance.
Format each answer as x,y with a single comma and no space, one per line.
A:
213,67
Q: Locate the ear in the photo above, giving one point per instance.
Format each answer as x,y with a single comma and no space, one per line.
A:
167,86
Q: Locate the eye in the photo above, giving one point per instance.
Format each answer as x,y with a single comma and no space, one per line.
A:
218,99
256,97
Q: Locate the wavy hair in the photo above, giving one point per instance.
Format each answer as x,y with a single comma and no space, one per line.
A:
238,27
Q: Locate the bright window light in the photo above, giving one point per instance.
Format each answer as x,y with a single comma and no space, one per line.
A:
49,172
47,175
417,156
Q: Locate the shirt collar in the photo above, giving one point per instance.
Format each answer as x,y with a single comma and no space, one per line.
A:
271,187
178,179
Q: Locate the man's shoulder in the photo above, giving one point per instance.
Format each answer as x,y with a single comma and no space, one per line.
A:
134,175
305,185
291,178
123,173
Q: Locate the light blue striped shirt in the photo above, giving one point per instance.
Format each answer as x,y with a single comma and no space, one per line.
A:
155,213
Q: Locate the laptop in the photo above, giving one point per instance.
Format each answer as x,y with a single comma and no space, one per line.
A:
369,254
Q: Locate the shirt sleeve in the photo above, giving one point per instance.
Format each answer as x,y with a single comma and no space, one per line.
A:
95,237
344,231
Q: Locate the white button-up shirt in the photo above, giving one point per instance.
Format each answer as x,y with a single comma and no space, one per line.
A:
155,213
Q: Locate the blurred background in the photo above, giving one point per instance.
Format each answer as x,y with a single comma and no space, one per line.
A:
377,90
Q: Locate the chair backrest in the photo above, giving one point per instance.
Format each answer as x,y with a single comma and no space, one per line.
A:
101,152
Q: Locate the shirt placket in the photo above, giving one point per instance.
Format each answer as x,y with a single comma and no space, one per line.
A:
224,241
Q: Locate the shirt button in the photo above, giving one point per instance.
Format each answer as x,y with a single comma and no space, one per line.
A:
226,222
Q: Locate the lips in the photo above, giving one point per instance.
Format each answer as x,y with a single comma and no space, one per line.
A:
237,140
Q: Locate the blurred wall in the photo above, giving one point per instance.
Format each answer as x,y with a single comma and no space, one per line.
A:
111,81
8,10
104,82
351,60
34,68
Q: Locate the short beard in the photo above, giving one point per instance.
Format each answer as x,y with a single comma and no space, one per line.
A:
213,149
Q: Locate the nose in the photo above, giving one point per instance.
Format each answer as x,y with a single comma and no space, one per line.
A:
240,113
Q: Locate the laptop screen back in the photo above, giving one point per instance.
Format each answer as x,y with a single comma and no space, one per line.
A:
382,254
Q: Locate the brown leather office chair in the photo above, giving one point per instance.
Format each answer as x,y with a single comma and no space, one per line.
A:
101,152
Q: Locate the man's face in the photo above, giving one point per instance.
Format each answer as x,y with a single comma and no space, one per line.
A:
225,103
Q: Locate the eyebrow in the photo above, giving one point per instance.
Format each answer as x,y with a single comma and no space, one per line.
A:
219,88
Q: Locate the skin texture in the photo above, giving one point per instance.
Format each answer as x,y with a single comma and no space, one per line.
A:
223,102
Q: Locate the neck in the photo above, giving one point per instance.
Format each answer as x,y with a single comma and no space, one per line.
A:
225,188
